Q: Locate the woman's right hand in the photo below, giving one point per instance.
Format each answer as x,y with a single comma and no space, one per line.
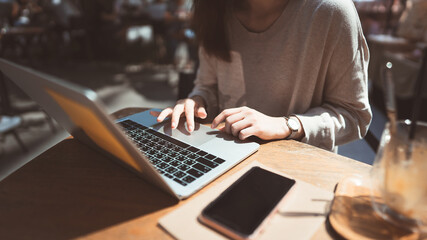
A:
189,107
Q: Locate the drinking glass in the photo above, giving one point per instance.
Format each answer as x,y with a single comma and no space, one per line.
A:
399,177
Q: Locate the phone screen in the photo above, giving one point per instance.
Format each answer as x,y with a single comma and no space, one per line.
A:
247,202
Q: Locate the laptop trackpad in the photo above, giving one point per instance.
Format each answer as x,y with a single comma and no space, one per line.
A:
199,136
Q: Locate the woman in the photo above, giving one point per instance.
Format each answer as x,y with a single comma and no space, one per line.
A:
280,69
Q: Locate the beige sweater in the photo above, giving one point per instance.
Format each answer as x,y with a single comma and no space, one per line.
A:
311,62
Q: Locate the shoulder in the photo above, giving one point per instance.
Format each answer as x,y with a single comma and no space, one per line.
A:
335,10
333,16
332,6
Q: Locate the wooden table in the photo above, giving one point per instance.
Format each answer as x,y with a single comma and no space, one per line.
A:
71,191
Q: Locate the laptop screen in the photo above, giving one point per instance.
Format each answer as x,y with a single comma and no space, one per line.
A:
84,118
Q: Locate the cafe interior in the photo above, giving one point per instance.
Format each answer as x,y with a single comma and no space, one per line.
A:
144,53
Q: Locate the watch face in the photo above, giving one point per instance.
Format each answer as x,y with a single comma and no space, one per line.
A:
293,124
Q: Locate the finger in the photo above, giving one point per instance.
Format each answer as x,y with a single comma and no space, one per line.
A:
189,115
247,132
164,114
176,115
223,115
238,126
232,119
201,112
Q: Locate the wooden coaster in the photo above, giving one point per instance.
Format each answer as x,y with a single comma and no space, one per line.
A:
353,217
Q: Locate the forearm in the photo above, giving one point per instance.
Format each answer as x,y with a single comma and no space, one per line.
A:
328,125
206,85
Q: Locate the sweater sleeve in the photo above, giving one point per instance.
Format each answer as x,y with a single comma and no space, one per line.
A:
345,113
206,83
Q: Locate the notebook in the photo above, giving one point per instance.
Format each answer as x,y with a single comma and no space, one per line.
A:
299,217
179,162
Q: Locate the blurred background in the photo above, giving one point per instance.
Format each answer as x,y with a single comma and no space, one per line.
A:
142,53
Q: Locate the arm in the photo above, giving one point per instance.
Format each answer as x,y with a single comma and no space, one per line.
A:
345,114
241,122
206,85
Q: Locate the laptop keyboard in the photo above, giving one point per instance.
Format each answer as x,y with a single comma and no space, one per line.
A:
172,158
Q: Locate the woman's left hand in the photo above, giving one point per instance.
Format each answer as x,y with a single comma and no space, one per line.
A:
244,122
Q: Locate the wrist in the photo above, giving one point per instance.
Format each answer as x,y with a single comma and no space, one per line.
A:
282,130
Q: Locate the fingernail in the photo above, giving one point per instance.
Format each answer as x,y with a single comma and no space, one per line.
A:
190,128
173,125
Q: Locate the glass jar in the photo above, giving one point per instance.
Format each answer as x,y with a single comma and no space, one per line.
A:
399,177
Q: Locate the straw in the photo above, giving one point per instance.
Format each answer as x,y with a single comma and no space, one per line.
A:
390,105
418,95
390,101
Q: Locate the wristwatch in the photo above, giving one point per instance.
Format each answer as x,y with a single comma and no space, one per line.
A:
293,125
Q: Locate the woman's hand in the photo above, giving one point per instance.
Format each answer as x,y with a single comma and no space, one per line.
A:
189,107
243,122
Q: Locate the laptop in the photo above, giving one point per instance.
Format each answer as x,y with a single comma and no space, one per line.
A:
178,162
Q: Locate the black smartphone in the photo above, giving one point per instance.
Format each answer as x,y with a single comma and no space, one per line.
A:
240,211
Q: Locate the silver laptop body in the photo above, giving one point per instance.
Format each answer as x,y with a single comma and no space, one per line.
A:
79,111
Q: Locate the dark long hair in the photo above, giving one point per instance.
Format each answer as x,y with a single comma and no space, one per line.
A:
209,23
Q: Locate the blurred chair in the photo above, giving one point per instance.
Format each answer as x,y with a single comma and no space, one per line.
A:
11,115
17,35
418,100
402,36
66,13
401,43
387,39
9,125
